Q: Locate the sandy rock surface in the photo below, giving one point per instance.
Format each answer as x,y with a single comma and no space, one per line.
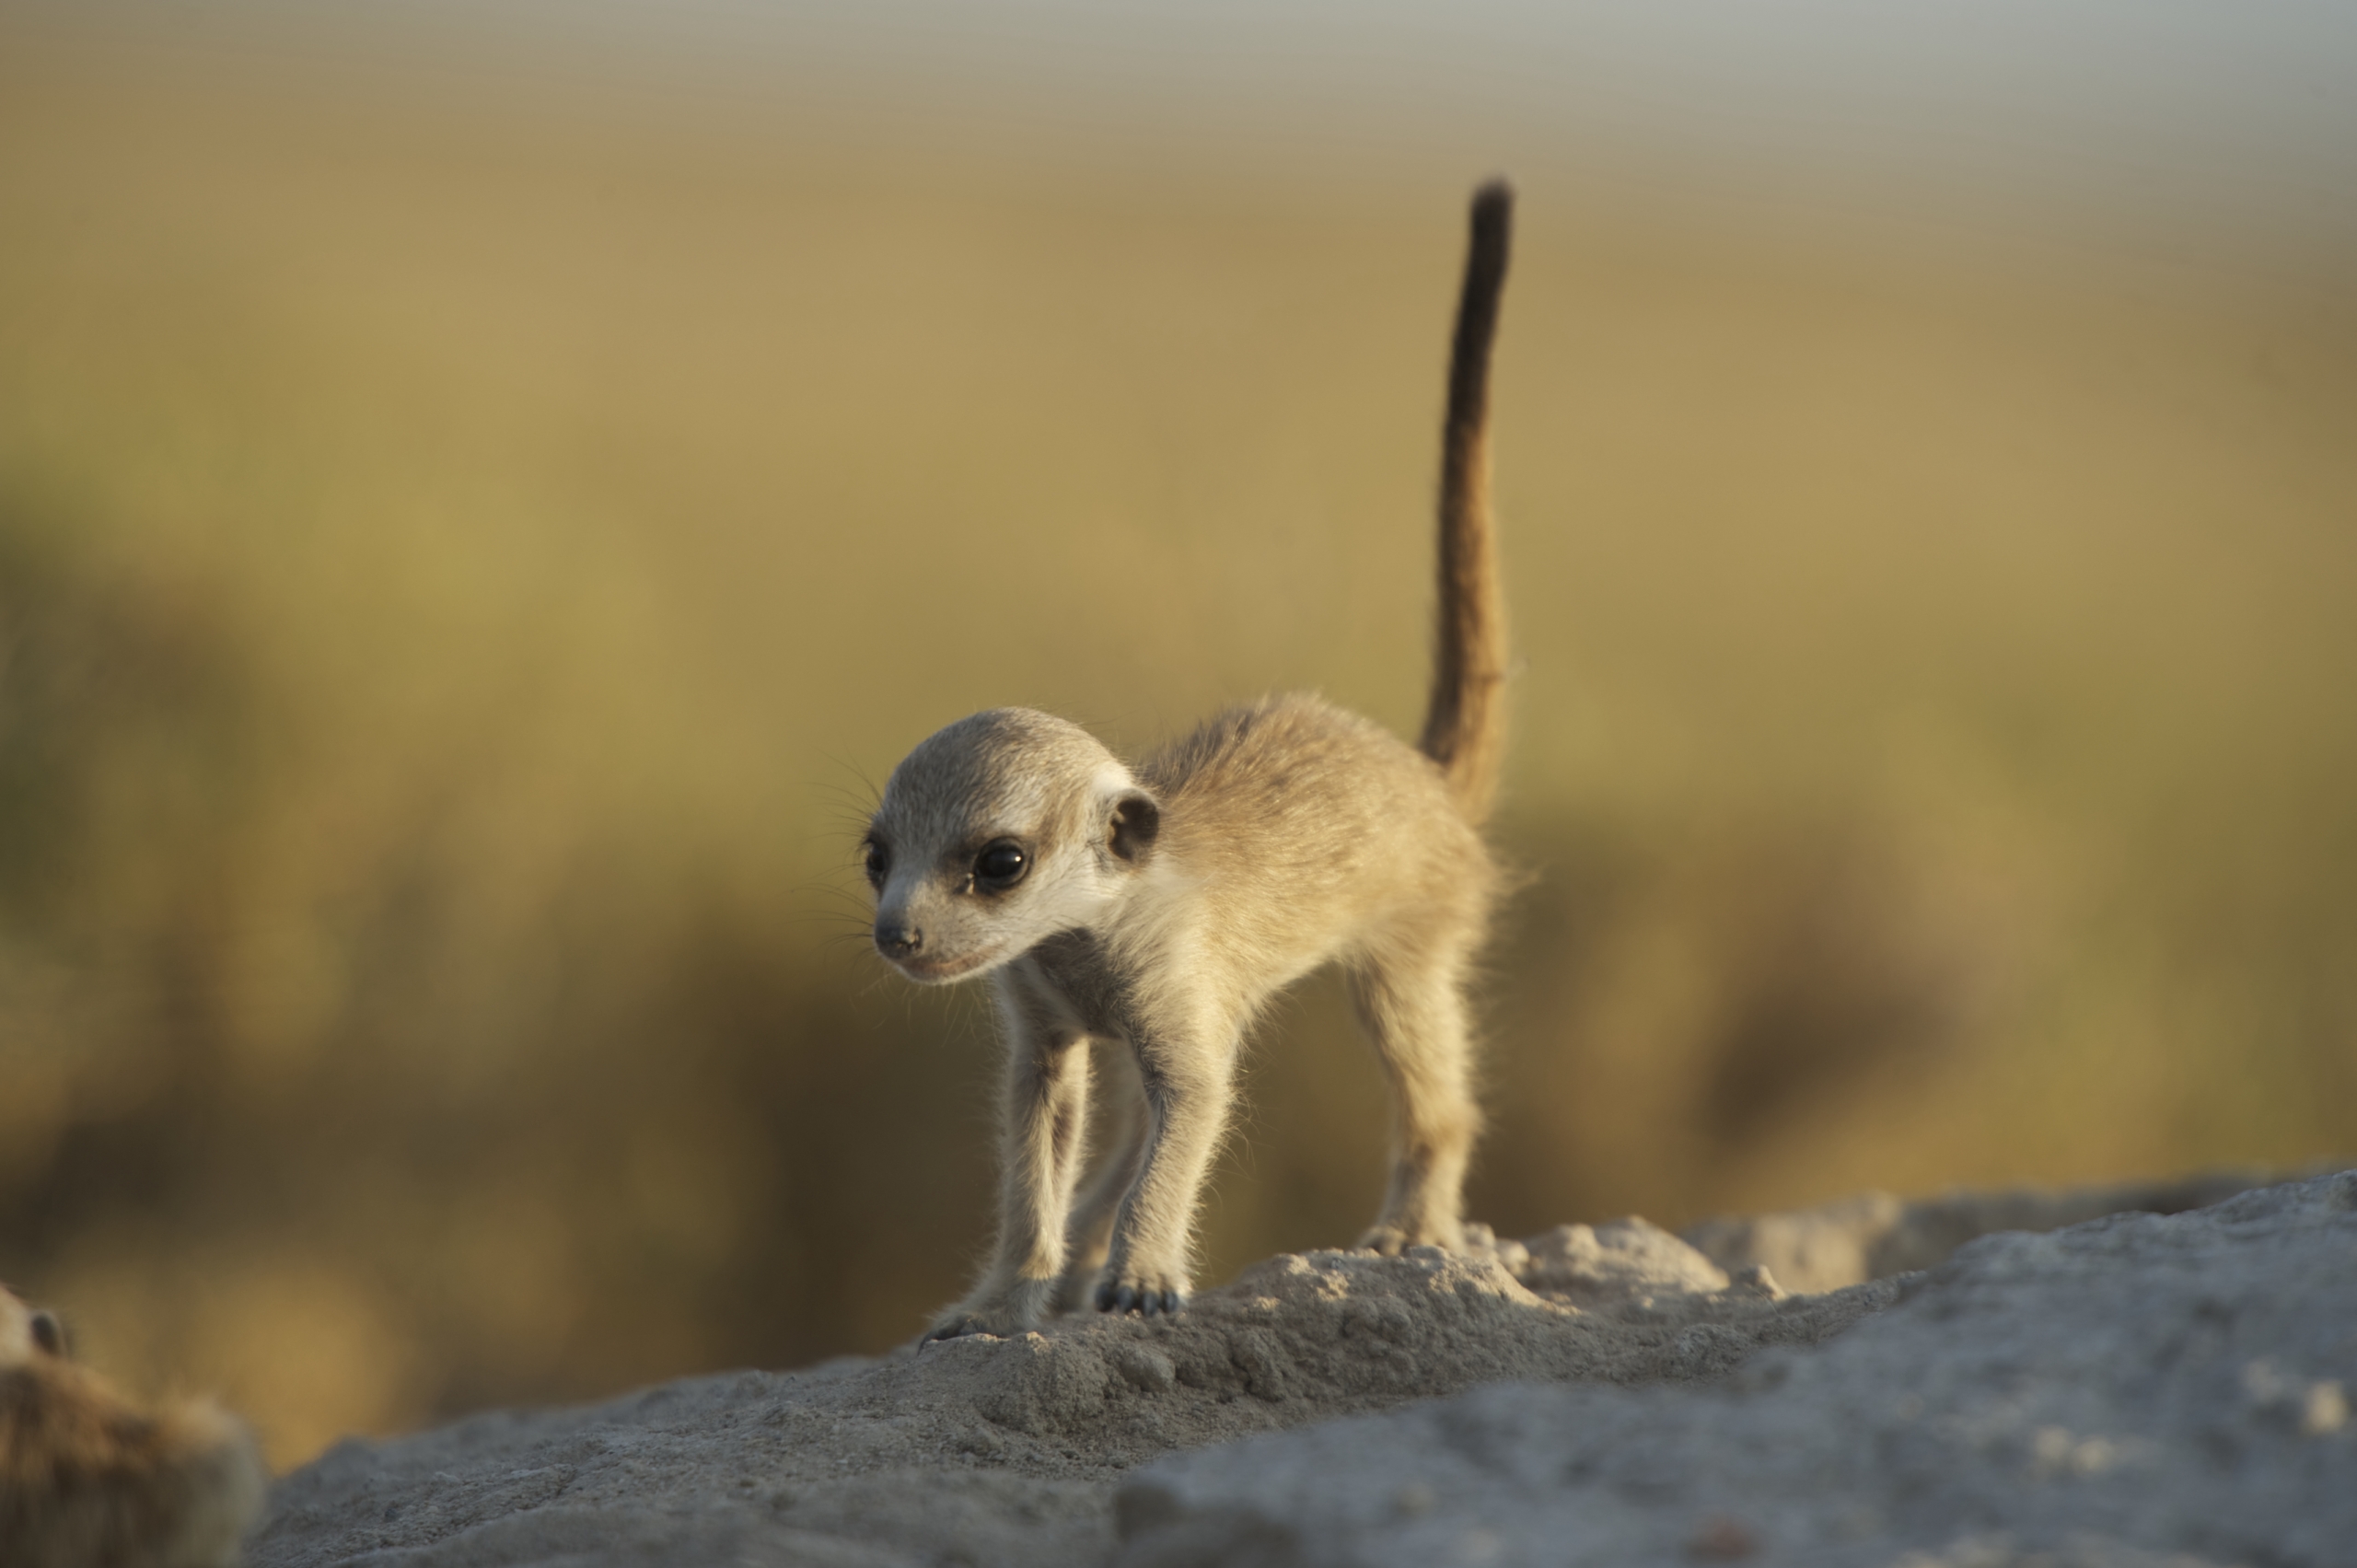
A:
2138,1390
988,1451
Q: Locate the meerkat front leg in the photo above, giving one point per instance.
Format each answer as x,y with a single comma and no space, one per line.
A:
1044,1112
1187,1077
1410,997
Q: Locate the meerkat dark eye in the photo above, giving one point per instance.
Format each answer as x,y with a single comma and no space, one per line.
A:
49,1334
878,861
1000,865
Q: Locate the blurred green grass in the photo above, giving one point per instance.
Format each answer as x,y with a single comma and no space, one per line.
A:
461,569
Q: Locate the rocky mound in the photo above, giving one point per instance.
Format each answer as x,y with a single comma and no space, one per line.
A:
2138,1391
987,1451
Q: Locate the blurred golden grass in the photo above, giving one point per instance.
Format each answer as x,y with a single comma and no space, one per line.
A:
461,569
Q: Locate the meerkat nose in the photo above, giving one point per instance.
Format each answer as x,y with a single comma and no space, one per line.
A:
898,941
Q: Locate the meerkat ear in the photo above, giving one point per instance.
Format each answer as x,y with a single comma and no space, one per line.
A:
1135,822
49,1334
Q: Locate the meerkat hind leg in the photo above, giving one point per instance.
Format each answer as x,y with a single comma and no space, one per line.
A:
1412,1003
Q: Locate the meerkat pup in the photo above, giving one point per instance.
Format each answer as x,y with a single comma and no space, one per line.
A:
1163,906
89,1480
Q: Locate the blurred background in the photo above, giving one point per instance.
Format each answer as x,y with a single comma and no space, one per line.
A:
486,492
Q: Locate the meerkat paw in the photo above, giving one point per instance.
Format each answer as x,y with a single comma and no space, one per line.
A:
1025,1305
961,1320
1392,1239
1142,1292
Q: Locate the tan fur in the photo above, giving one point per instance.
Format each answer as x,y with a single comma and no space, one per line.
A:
89,1480
1162,908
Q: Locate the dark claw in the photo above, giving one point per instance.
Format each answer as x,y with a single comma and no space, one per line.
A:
1105,1296
1125,1299
1174,1302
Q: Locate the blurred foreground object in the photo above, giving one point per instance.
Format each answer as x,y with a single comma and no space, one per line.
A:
87,1478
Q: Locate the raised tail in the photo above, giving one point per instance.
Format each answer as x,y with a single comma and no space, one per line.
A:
1465,726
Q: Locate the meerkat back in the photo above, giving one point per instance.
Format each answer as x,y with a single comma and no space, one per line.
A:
88,1480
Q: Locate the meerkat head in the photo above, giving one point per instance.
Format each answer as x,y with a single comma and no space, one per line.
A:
995,834
25,1333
